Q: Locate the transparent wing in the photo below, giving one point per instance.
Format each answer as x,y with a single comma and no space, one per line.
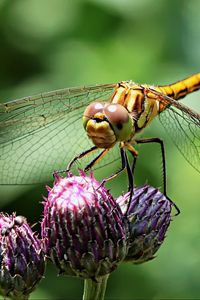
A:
183,125
42,133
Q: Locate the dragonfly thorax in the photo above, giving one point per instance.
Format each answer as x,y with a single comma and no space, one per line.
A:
107,124
142,106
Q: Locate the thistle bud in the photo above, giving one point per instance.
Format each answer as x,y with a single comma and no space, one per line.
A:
83,228
21,259
149,215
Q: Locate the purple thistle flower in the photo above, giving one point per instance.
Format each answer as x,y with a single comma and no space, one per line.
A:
83,229
22,262
149,216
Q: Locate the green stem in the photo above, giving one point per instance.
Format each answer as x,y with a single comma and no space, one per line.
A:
95,290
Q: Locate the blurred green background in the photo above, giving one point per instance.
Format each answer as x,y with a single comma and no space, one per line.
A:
46,45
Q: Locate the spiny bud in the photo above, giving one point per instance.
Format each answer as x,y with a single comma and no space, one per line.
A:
22,262
149,215
83,228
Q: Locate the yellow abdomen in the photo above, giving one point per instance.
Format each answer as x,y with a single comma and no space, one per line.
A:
181,88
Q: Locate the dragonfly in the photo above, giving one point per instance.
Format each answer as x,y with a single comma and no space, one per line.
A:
46,132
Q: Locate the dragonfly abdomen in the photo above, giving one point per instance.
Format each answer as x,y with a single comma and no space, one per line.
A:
181,88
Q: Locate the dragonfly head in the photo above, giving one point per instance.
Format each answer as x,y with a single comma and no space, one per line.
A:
107,123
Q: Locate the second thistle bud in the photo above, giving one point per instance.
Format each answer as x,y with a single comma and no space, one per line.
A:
22,262
149,216
83,228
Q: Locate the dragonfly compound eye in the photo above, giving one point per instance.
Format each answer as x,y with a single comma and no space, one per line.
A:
120,120
116,114
91,110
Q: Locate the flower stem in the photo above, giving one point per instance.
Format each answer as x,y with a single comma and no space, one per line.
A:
95,290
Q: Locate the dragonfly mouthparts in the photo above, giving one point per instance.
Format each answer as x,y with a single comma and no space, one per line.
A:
99,119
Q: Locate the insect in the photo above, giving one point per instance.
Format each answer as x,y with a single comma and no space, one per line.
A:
42,133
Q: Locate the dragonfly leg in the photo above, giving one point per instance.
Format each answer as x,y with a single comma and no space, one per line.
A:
134,153
132,169
175,206
125,165
123,160
82,154
133,164
131,182
96,159
70,164
161,143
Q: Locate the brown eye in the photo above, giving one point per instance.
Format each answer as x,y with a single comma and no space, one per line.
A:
116,114
93,108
